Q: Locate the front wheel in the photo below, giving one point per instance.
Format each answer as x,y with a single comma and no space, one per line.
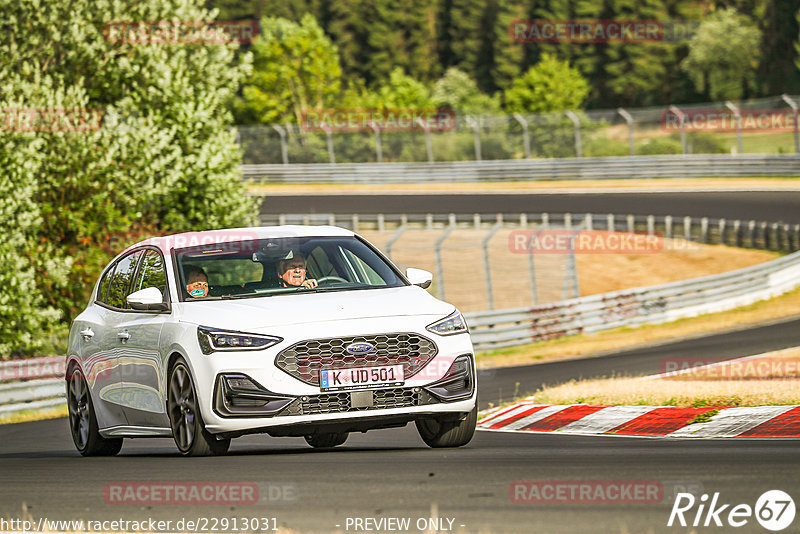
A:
443,433
326,440
188,429
83,421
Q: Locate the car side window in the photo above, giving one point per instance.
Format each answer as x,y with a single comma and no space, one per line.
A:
120,283
151,273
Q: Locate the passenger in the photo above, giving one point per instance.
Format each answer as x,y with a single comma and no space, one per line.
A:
292,273
196,282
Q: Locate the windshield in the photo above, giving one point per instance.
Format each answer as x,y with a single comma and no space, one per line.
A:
280,266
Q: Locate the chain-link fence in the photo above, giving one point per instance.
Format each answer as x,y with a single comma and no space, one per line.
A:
763,126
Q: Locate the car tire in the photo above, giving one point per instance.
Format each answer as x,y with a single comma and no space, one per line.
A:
326,440
438,432
185,420
83,421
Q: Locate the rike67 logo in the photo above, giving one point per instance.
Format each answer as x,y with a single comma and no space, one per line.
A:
774,510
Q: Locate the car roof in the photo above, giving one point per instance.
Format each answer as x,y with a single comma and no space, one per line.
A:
189,239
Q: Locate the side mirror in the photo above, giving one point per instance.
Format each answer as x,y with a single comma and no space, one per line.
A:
419,277
147,299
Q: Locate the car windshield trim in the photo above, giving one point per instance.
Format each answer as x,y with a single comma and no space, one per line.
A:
347,262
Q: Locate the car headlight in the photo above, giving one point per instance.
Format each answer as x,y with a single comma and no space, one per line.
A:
452,324
214,339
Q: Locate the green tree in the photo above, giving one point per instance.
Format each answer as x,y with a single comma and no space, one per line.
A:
296,68
550,85
723,56
456,90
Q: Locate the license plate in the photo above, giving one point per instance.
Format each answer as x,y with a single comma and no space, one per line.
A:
360,377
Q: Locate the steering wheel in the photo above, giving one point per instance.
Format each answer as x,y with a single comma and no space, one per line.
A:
334,278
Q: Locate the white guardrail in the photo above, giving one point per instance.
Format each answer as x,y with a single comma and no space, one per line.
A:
503,328
652,305
673,166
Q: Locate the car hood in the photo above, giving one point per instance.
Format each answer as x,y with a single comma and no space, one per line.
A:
304,308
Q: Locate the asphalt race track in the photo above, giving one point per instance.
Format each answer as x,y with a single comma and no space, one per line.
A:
772,206
391,473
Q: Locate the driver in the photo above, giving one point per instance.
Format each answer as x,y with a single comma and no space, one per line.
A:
196,282
292,272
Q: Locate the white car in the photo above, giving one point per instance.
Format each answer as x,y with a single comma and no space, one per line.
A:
289,330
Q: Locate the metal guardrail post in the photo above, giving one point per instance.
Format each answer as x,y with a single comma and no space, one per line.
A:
378,146
568,221
651,225
523,220
687,228
631,224
751,230
332,219
570,287
682,118
588,221
577,125
429,221
738,117
704,229
437,250
629,119
476,220
722,223
394,238
545,220
526,140
737,232
428,143
477,133
793,105
284,148
355,222
611,225
381,222
668,226
487,265
532,278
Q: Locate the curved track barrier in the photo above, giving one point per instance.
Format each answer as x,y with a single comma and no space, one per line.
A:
627,167
644,305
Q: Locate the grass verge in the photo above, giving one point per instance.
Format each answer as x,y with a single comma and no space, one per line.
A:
637,392
589,345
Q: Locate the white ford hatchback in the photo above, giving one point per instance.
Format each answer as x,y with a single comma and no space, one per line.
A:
289,331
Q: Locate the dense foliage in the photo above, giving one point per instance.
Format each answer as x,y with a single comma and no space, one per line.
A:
156,156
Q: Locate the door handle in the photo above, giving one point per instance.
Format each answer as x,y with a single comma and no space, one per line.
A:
123,336
86,333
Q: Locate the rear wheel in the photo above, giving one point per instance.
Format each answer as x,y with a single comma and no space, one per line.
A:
188,429
439,432
326,440
83,421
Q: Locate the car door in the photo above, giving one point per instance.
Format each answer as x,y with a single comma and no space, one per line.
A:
101,351
142,366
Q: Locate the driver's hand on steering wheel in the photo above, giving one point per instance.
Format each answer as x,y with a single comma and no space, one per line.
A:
309,283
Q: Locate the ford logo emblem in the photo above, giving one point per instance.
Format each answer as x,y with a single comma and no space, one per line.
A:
358,348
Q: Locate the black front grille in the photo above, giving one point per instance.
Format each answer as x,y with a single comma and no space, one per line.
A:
305,359
340,402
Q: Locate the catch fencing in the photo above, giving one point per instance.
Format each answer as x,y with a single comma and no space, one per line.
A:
759,126
651,305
